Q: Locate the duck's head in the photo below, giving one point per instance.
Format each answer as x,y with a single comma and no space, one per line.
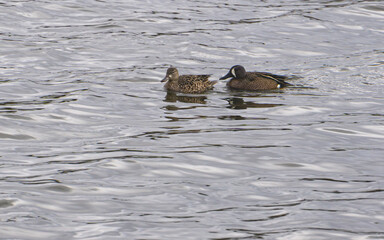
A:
172,74
236,71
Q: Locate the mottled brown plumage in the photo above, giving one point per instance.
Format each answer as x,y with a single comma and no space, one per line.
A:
243,80
186,83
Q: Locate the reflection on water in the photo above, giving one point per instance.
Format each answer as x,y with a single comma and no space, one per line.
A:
239,103
92,147
174,97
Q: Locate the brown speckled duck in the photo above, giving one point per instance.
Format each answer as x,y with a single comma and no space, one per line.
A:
186,83
243,80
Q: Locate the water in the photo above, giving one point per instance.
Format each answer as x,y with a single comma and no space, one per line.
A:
92,147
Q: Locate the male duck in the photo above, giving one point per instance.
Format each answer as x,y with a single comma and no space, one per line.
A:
186,83
243,80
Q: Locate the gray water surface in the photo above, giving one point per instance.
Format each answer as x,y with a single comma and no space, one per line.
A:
92,147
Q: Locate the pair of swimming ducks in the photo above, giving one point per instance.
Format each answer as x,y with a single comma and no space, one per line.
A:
240,79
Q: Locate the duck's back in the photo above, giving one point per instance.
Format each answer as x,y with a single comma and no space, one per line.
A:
193,78
269,79
275,76
258,81
195,83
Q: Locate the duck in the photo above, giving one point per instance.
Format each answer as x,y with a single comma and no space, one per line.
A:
243,80
186,83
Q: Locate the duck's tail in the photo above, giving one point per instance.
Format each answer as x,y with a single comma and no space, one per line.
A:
213,82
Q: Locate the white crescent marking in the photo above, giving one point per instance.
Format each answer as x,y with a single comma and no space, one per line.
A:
233,72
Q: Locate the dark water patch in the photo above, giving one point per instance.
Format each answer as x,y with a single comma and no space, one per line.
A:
218,210
23,180
267,218
38,182
210,130
5,203
88,161
239,117
342,192
323,179
59,188
16,136
263,146
69,171
374,7
14,116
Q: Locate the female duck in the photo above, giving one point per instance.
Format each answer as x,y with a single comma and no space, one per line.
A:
186,83
243,80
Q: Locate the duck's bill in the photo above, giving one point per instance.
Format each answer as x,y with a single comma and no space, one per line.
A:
165,79
226,76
